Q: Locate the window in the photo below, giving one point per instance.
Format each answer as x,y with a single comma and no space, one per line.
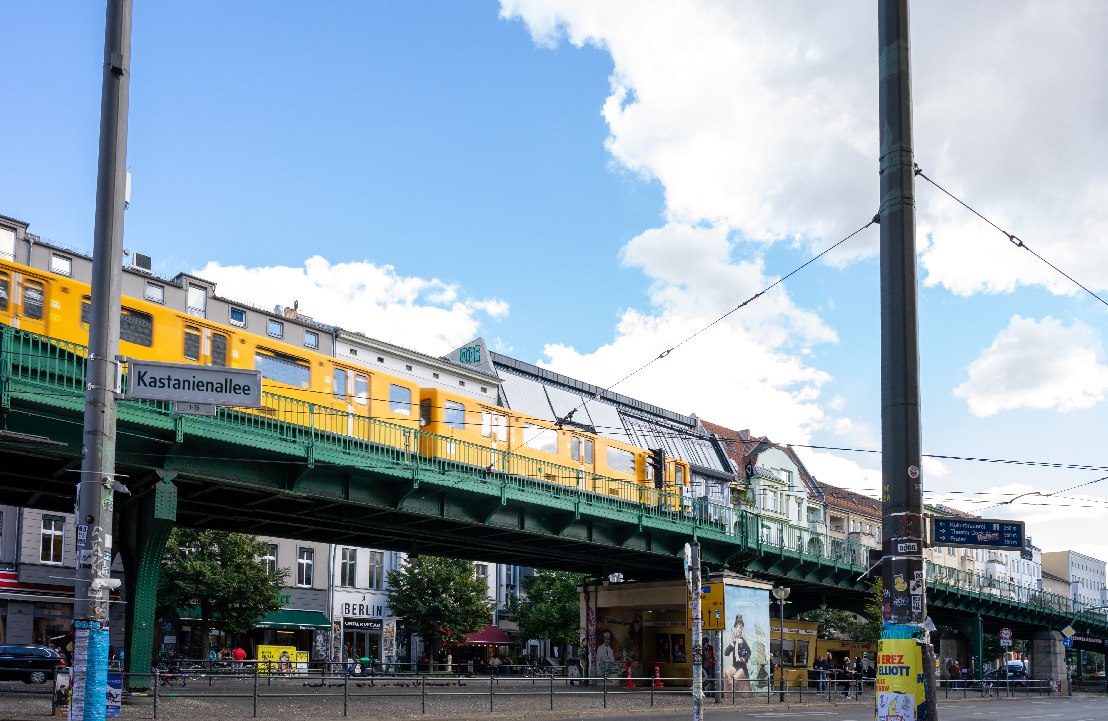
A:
197,301
61,265
353,351
283,368
407,368
305,564
400,400
361,390
238,317
348,571
484,389
462,384
455,415
311,339
276,329
540,439
377,569
678,474
192,343
339,385
435,376
53,533
620,460
494,425
33,299
5,291
481,570
219,350
380,359
270,559
580,449
156,293
424,412
575,448
136,327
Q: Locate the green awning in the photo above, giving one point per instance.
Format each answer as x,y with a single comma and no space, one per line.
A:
295,621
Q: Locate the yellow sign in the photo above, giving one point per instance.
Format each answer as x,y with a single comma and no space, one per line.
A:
713,614
900,692
281,660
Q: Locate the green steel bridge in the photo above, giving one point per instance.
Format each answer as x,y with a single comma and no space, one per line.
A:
299,470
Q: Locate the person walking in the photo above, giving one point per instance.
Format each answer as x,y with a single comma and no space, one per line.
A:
237,657
710,657
819,666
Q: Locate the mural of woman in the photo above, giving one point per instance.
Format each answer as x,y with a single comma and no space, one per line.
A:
738,652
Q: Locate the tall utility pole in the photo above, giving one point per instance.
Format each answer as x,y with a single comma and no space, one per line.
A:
95,494
693,578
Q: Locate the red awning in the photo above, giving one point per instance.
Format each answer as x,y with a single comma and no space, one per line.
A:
489,636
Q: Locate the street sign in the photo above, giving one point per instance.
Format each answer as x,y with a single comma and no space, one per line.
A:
688,567
1005,642
1006,633
187,383
1067,642
714,616
194,409
977,533
1068,631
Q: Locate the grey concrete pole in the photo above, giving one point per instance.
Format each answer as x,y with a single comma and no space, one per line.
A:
95,496
697,648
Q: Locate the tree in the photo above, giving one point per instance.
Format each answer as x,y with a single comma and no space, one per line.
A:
870,628
222,574
834,623
441,599
549,607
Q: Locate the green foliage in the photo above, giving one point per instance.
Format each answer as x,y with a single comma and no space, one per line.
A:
220,572
441,598
870,629
834,623
991,648
549,607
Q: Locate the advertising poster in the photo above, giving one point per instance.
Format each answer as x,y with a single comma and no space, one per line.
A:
115,695
61,693
280,660
678,646
662,647
745,639
900,693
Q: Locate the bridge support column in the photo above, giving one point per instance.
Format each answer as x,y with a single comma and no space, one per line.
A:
974,631
1048,658
142,529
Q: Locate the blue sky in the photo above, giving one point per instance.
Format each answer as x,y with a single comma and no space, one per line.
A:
584,186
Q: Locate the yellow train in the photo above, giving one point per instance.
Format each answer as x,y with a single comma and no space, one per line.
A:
183,320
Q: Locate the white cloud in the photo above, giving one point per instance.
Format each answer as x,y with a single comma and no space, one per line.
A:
422,314
934,468
1037,365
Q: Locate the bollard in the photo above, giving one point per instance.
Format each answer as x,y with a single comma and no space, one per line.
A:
605,688
551,690
345,693
629,683
657,676
490,693
155,694
255,689
424,693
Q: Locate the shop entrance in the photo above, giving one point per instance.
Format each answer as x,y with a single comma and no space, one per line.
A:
361,644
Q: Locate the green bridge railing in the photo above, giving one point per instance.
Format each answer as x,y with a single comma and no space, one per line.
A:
57,368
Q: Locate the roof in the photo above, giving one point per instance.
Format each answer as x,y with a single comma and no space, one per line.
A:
290,620
489,636
846,500
1052,577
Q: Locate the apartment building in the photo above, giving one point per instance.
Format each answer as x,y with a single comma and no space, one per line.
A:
1086,576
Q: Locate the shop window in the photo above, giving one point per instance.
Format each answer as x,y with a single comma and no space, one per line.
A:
192,343
455,415
348,568
155,293
219,350
400,400
53,535
5,291
338,387
61,265
311,339
283,368
270,559
34,295
377,569
361,390
305,566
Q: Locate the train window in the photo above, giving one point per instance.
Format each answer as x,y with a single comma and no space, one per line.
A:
620,460
311,339
238,317
575,448
400,400
5,290
494,425
136,327
33,299
586,452
276,329
283,368
425,412
339,386
61,265
679,475
219,350
361,390
192,343
455,415
486,424
155,292
539,438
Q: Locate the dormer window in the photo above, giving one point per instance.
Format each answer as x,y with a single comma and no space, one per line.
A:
198,301
62,265
155,293
276,329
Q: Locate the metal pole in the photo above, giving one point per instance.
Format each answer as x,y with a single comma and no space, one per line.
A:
345,692
255,689
781,649
95,497
697,649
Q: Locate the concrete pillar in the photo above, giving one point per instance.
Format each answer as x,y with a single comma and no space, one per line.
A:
142,528
1048,658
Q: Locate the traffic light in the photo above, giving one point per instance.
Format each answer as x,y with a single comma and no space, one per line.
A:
657,463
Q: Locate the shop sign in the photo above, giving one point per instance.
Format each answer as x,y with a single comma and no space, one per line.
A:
365,609
362,624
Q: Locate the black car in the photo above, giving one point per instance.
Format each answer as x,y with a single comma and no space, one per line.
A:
30,664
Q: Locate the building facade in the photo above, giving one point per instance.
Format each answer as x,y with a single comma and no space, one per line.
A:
1086,576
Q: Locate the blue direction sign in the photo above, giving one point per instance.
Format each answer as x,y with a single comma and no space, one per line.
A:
977,533
1067,642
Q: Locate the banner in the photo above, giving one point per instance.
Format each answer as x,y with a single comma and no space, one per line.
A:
89,678
282,660
115,695
900,681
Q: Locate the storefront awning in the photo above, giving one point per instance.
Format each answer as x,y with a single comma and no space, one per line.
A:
295,621
489,636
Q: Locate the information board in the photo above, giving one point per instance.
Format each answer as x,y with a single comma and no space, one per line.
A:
196,384
712,611
977,533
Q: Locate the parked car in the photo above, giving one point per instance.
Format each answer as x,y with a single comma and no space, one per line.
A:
30,664
1005,676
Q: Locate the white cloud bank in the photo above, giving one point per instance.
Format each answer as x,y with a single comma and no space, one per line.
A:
1035,364
422,314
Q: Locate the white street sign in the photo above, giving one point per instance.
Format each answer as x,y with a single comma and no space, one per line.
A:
1005,642
187,383
1006,633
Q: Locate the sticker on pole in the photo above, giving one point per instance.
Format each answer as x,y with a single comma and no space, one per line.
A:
900,692
913,471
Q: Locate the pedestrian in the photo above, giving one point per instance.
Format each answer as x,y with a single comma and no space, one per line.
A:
494,665
237,657
710,657
819,666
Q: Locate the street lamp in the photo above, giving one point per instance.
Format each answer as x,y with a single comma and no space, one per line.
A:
781,593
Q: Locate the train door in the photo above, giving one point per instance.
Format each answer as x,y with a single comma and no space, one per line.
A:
6,300
32,305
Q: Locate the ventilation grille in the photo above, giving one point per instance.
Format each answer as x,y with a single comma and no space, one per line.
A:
142,261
